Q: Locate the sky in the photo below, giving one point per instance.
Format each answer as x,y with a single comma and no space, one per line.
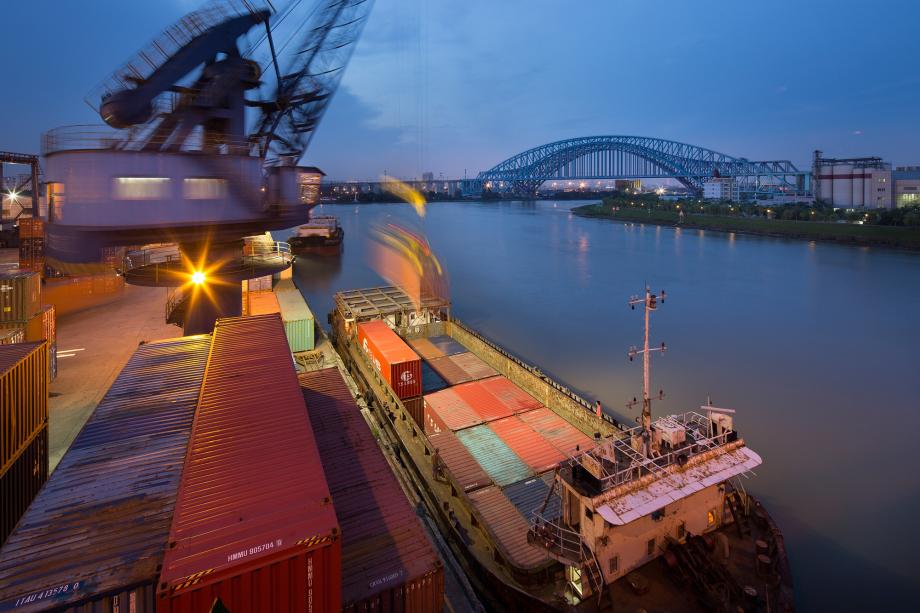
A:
457,87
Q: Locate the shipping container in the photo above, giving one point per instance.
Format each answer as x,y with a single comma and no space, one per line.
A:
42,325
561,434
436,347
254,523
22,480
458,462
527,444
52,360
496,458
509,394
388,563
507,526
23,397
8,336
461,368
486,405
20,296
259,284
530,495
94,537
299,322
431,381
445,410
392,358
31,227
32,254
260,303
416,408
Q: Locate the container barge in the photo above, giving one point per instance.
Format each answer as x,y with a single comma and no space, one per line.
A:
322,235
548,503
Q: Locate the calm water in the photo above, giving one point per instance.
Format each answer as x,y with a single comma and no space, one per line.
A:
815,345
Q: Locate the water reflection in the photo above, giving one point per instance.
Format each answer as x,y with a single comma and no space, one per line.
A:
805,340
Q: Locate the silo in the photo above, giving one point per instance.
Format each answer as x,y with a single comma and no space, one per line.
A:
870,195
824,176
859,186
843,185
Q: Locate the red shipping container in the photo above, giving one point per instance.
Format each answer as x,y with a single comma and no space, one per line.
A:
254,523
445,410
509,394
459,462
392,357
388,563
486,405
561,434
529,445
461,367
416,408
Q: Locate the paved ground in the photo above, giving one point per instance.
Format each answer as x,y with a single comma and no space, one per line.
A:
93,346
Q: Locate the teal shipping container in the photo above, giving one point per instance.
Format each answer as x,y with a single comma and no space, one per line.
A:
495,457
297,316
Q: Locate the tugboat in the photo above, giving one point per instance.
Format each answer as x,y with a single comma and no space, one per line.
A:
322,235
651,517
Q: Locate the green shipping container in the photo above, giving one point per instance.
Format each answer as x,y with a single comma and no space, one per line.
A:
297,317
495,457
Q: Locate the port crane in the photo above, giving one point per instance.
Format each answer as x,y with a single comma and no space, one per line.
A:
204,131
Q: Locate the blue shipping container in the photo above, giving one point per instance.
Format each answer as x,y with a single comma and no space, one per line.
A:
495,457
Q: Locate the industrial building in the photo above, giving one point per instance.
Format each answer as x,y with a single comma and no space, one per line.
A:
906,181
721,188
847,183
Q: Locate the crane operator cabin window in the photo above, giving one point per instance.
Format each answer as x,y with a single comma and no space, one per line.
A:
140,188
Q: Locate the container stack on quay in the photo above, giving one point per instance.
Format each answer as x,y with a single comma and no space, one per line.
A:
31,244
388,562
258,297
23,429
254,524
299,322
81,545
21,309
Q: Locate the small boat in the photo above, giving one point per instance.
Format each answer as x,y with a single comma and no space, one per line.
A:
322,235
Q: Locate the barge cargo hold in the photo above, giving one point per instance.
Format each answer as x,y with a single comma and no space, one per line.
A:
81,545
254,523
388,563
577,535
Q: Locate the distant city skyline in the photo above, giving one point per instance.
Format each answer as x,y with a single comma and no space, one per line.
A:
454,87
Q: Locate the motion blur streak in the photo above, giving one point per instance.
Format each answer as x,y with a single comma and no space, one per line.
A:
405,192
405,259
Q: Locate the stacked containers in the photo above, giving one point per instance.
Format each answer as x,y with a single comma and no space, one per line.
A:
94,537
20,297
392,358
461,367
297,317
527,444
23,428
43,327
254,523
459,463
388,563
31,244
501,463
561,434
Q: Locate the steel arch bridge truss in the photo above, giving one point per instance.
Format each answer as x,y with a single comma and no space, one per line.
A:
635,157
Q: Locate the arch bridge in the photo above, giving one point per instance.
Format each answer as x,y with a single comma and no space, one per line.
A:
635,157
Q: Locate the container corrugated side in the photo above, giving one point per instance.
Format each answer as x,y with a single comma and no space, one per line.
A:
24,375
392,358
509,394
445,410
530,495
431,380
508,528
561,434
96,531
496,458
527,444
485,404
41,327
8,336
22,480
416,408
20,296
253,501
299,322
458,461
261,303
388,563
446,345
461,368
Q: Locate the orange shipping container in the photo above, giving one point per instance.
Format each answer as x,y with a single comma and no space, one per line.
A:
392,358
42,326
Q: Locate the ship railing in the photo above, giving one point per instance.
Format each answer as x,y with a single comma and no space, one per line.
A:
100,138
558,540
264,252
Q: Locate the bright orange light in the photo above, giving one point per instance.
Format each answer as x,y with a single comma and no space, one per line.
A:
198,277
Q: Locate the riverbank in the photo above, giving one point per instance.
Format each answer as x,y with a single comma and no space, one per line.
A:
849,234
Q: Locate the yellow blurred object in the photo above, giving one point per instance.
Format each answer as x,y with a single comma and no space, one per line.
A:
405,259
405,192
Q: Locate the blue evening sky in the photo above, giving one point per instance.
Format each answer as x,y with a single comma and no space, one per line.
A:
449,86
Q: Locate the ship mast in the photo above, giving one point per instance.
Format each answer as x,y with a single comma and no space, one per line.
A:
650,301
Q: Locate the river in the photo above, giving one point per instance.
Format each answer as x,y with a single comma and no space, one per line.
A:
814,344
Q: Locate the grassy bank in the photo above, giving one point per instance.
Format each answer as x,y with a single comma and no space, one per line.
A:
886,236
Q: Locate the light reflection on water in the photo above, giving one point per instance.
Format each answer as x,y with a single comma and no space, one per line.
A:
814,344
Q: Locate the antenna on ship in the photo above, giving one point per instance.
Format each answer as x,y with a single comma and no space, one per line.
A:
650,301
